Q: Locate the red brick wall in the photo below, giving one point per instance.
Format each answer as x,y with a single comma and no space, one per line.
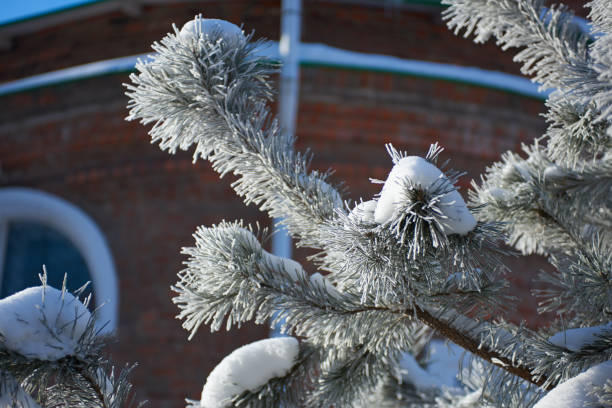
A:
71,140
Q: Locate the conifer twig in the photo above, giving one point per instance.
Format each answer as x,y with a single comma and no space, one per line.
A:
94,386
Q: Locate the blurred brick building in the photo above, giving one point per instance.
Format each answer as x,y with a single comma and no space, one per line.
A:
66,135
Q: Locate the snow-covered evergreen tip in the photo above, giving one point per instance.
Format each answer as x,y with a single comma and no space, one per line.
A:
212,28
247,369
416,189
42,322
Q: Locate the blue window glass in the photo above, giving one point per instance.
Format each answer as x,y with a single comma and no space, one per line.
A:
29,246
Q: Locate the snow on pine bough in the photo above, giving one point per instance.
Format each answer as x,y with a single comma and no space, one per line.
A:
52,351
258,374
417,229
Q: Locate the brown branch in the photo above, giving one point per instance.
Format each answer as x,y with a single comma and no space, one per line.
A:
458,337
468,343
473,346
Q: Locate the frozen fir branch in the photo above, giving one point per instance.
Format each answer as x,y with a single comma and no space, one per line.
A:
544,206
51,352
601,16
13,395
601,50
230,277
210,89
417,238
556,53
574,136
255,288
184,74
554,49
581,285
383,268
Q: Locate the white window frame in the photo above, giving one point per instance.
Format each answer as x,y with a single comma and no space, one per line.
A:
25,204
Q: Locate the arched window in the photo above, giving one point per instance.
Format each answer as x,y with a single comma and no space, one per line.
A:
38,228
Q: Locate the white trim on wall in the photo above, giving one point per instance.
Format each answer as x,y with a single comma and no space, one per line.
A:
314,55
25,204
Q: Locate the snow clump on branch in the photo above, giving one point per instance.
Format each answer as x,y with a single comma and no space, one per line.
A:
291,267
248,368
42,322
204,27
416,173
364,212
575,339
573,393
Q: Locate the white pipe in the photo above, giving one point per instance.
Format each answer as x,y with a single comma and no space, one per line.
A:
291,15
291,21
289,49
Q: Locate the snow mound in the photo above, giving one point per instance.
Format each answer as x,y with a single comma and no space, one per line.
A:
554,173
573,392
322,281
42,322
575,339
441,369
291,267
444,361
415,374
248,368
199,26
499,194
471,400
364,212
423,174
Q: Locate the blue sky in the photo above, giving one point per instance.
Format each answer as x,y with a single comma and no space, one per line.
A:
12,10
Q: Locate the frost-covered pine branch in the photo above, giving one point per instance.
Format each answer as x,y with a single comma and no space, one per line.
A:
51,353
207,86
411,259
556,200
